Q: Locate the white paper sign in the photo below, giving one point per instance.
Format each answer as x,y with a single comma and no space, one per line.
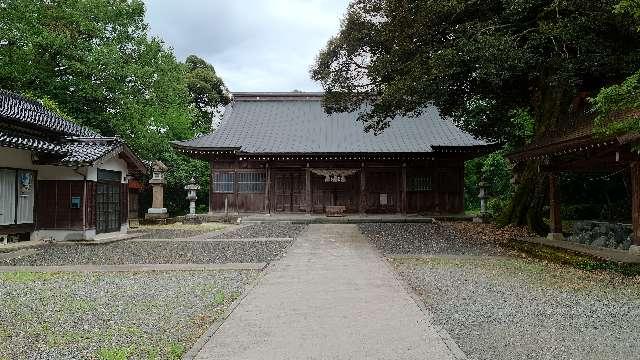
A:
383,199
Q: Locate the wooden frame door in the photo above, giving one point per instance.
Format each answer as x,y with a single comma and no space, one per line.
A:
289,195
108,202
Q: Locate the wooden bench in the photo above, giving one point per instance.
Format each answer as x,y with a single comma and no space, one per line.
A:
335,211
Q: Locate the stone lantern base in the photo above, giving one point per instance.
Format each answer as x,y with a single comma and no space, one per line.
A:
156,213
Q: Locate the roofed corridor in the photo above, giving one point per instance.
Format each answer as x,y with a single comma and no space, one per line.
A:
331,297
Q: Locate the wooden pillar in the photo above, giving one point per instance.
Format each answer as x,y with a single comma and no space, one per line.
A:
307,189
362,206
635,204
403,198
235,187
211,187
554,210
267,189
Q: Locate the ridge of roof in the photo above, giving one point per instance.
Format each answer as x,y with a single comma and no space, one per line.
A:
275,96
20,109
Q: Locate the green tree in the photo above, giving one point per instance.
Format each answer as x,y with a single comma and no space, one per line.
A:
207,90
484,63
95,60
620,102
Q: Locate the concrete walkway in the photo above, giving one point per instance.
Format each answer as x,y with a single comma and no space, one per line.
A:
331,297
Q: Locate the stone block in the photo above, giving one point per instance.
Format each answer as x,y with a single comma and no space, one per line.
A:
555,236
335,211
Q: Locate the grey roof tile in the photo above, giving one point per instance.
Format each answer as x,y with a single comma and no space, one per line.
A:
282,123
88,152
68,144
31,113
26,142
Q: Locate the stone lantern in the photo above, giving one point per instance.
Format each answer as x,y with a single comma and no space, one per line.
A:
157,210
191,188
483,196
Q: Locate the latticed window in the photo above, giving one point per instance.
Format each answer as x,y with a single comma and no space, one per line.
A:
251,182
419,183
223,182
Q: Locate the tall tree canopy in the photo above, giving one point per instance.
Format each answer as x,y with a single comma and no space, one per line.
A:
97,62
487,64
208,92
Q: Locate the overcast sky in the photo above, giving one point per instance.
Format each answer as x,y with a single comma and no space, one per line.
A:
255,45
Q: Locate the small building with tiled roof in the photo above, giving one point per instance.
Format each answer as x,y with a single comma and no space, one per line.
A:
281,152
58,179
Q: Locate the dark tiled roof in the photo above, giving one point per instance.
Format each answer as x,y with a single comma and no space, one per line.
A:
31,113
86,152
26,124
270,123
20,141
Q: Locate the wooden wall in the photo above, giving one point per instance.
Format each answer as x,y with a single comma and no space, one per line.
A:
383,180
54,204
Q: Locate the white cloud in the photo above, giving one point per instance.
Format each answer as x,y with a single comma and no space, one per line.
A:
255,45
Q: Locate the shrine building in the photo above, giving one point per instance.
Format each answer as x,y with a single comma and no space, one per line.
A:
282,153
59,180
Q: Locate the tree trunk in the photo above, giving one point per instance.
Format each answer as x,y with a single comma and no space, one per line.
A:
525,208
527,201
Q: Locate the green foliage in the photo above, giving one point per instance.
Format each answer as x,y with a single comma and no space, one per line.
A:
182,169
477,61
618,108
207,90
618,105
494,169
631,7
504,70
94,61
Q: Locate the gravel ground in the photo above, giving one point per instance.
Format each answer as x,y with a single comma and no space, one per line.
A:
275,230
154,252
174,231
509,307
425,239
151,315
524,309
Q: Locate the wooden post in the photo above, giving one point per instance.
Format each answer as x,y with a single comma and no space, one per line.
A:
362,208
307,189
267,189
554,210
635,205
211,187
404,188
235,187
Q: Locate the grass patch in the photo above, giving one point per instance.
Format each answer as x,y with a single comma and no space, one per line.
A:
219,297
114,353
176,351
26,277
571,258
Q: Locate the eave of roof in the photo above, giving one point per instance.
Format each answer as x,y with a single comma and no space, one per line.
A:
566,146
26,142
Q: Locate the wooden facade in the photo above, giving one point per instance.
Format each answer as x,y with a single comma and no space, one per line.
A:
58,179
375,187
282,153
